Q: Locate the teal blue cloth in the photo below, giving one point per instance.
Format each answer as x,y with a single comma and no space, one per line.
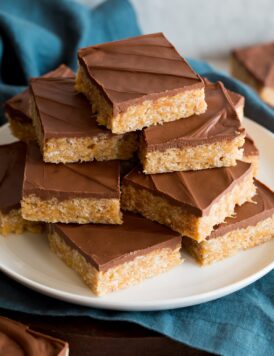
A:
239,324
36,36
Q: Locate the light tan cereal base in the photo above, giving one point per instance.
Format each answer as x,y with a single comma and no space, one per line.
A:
218,248
148,113
240,72
161,210
254,160
81,211
103,148
217,154
118,277
75,149
13,223
24,131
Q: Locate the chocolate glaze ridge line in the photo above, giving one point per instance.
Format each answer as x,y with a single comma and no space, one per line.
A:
258,60
62,111
250,213
204,188
100,180
19,339
107,247
18,106
151,84
12,162
220,122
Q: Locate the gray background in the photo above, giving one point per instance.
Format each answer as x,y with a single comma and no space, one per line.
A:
207,29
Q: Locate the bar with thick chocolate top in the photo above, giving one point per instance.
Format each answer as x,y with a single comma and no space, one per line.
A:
191,202
212,139
17,108
66,129
254,65
12,163
136,82
79,192
113,257
237,99
19,339
251,225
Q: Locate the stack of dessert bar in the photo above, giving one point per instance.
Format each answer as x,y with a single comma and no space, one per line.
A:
193,185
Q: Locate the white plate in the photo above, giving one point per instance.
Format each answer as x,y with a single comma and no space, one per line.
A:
29,260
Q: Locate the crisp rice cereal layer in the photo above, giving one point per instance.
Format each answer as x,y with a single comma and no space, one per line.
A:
159,209
148,113
24,131
13,223
118,277
216,249
68,150
217,154
81,211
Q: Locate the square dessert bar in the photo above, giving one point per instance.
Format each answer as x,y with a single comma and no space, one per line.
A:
12,163
251,153
109,258
212,139
17,108
138,82
191,202
237,99
254,66
252,225
66,129
18,339
70,193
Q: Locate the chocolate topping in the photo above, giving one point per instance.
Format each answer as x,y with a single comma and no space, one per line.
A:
62,111
137,69
12,163
194,191
250,148
17,339
219,122
248,214
236,98
18,106
106,246
258,60
100,180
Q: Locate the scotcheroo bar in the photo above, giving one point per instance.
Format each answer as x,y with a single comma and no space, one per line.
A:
138,82
212,139
191,202
254,65
12,163
18,339
70,193
17,108
109,258
252,225
67,131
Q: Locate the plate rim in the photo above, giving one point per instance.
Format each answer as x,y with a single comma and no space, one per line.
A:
172,303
